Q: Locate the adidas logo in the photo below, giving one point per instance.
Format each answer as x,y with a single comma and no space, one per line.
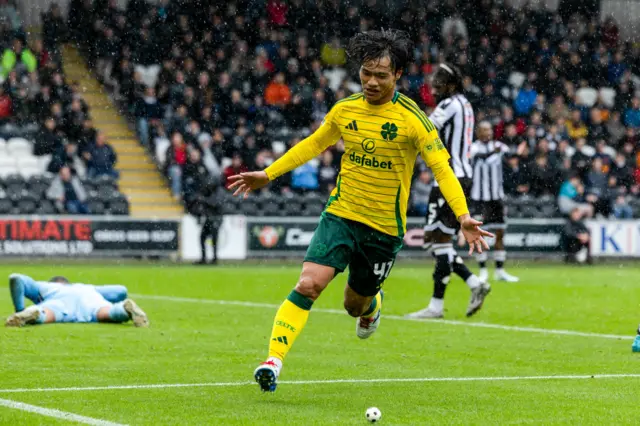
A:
352,126
282,339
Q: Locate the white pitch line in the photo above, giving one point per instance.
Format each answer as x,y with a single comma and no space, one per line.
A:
327,382
48,412
392,317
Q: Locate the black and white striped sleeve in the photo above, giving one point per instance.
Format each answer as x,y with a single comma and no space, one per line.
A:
443,113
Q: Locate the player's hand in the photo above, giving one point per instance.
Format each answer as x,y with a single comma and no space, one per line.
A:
474,235
247,182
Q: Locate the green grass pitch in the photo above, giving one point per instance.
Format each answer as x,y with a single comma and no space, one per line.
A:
219,344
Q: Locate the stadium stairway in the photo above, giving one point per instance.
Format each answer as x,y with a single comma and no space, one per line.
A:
140,179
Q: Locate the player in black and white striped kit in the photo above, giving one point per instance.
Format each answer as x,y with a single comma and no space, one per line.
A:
454,119
487,194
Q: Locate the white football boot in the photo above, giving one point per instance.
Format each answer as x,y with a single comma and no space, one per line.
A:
267,375
22,318
136,314
365,327
502,275
426,313
478,295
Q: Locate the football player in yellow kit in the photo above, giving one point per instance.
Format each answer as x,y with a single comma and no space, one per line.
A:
365,218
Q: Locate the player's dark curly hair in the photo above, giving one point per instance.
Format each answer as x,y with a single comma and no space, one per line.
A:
375,45
59,279
449,74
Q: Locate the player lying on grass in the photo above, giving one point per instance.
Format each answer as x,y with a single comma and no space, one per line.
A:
365,217
636,343
58,300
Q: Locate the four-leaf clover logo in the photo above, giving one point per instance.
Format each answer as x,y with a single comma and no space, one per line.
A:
389,131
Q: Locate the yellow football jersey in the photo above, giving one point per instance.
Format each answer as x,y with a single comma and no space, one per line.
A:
381,145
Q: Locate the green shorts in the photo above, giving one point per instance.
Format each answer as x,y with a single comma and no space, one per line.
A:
370,254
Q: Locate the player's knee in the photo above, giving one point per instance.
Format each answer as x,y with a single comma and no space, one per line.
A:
15,280
309,287
120,293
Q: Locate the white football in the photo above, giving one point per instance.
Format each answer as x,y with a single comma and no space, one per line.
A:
373,414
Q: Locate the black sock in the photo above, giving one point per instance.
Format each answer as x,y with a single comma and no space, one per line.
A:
203,241
499,264
441,275
460,268
482,264
214,241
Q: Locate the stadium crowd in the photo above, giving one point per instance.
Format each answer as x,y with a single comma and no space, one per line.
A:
219,88
45,126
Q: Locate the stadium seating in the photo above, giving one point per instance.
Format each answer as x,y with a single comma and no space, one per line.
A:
579,87
27,195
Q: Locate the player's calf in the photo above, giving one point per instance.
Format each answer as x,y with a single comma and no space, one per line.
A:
290,320
355,309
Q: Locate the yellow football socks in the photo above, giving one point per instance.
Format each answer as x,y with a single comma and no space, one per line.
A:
288,323
376,304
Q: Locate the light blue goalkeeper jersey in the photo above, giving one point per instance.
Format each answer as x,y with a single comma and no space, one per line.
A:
69,302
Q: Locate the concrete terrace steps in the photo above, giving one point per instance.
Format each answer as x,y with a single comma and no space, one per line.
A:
140,179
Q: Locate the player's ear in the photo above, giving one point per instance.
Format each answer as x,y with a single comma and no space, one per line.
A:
398,74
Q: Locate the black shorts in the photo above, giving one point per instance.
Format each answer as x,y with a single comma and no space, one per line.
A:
491,213
439,214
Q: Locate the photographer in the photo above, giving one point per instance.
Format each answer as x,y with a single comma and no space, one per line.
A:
207,206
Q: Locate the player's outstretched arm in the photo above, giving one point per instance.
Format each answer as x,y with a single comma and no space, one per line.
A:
304,151
326,135
453,193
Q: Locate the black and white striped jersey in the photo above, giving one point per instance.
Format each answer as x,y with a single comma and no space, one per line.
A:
454,119
487,170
